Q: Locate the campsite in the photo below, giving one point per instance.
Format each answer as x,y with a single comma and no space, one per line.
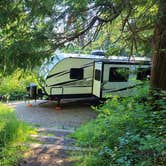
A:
82,83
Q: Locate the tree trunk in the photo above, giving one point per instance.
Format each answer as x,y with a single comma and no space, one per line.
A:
158,73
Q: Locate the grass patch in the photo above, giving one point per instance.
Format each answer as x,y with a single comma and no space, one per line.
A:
13,133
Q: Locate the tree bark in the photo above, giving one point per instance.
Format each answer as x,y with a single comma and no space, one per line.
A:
158,72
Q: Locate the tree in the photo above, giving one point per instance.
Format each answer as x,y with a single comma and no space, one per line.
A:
158,80
52,24
134,17
137,20
24,42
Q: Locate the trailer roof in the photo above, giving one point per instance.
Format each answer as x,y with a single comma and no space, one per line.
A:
102,58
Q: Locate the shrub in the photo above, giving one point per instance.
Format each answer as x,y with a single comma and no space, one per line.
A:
13,133
13,87
128,131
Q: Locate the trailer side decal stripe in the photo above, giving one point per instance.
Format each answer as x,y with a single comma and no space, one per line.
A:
57,75
65,72
52,75
71,81
129,87
62,83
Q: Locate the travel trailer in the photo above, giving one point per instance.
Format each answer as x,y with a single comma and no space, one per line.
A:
80,76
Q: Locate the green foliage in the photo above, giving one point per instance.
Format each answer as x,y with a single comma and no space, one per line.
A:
31,31
24,42
13,133
130,32
128,131
13,87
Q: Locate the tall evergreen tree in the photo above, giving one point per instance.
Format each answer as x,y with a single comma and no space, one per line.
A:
158,79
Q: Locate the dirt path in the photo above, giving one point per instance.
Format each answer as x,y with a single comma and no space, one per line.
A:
52,144
50,150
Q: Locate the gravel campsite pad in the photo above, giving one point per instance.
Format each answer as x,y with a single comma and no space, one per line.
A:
44,114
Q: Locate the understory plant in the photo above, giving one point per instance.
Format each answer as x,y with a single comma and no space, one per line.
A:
13,134
128,131
13,87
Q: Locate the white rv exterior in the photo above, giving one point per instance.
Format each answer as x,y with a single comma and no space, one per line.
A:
73,76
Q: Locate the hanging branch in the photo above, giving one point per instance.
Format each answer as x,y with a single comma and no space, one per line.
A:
94,36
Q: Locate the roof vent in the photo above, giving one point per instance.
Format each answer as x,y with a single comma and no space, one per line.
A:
99,52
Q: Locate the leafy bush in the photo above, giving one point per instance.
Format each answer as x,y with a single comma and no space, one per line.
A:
13,133
13,87
128,131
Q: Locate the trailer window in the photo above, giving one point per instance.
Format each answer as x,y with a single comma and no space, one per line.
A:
143,74
97,75
118,74
76,73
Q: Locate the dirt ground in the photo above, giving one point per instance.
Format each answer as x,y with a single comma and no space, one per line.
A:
44,113
52,150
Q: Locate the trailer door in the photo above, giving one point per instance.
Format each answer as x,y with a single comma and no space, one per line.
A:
97,79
